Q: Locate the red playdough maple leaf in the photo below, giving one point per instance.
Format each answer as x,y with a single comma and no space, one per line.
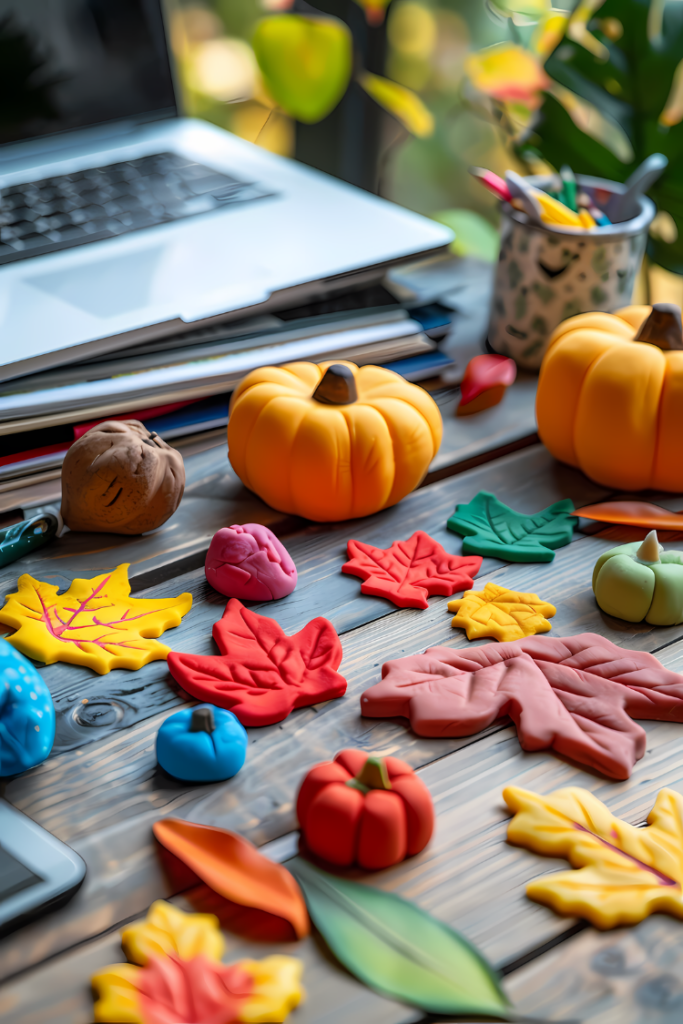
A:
576,695
175,991
261,673
410,570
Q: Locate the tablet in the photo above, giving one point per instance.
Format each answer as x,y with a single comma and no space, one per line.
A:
37,872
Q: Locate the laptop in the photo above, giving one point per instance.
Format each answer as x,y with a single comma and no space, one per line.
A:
123,222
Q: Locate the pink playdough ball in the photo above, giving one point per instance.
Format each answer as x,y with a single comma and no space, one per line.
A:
250,563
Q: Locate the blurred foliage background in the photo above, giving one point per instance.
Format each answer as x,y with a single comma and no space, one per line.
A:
527,84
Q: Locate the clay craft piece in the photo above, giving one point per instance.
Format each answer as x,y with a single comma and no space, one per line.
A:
261,674
485,382
491,528
119,478
331,441
632,513
410,570
21,538
610,397
641,581
370,811
577,695
625,873
250,563
182,980
27,714
94,623
234,868
202,744
505,615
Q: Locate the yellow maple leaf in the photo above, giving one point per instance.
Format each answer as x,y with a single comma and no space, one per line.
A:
94,623
625,873
503,614
166,929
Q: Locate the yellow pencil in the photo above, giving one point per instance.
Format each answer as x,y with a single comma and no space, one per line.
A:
586,219
555,212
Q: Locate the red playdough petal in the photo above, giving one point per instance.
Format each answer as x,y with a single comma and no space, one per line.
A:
410,570
175,991
318,778
262,674
332,823
382,838
485,372
576,695
233,867
418,808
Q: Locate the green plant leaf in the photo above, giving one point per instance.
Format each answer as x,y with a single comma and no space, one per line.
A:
491,528
305,61
398,949
631,89
474,235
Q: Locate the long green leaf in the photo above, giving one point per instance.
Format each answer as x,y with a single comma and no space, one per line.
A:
398,949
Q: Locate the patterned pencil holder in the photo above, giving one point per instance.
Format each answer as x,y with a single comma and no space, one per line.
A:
546,274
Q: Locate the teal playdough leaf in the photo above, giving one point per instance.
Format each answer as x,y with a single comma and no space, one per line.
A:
491,528
398,949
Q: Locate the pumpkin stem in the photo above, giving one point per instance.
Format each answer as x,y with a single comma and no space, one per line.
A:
373,775
202,720
662,327
649,549
337,386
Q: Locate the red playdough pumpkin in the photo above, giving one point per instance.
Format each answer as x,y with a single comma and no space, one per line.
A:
371,811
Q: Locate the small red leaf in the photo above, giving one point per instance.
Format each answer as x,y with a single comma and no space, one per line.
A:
576,695
262,674
410,570
175,991
486,378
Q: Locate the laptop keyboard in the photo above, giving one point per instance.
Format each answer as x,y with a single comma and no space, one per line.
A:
102,202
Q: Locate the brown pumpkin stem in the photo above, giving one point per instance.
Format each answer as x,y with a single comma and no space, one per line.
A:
373,775
662,327
202,720
337,386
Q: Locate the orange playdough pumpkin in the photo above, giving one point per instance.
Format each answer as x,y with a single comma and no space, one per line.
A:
610,397
331,441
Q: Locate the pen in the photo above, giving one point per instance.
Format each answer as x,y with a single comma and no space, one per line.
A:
568,196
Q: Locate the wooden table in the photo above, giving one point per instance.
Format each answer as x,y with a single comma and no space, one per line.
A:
101,789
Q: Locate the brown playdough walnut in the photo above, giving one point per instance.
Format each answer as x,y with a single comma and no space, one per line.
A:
119,478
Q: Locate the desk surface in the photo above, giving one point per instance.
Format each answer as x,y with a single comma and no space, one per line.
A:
101,790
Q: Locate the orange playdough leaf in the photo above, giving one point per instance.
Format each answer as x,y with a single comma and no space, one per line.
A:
94,623
632,513
233,867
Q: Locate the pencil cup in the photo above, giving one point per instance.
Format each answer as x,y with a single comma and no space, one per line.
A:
548,273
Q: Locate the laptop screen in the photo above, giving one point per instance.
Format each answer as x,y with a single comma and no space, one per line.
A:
68,64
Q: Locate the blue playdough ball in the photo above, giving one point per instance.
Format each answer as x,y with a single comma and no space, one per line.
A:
27,714
202,744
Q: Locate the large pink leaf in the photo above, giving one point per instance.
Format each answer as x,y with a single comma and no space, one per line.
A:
576,695
261,673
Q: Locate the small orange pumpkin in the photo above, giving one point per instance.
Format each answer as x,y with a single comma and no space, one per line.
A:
610,397
331,441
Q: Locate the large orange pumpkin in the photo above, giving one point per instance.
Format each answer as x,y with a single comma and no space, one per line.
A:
610,397
331,441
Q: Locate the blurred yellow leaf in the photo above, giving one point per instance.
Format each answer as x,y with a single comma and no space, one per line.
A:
577,29
305,62
507,72
400,102
548,33
374,10
594,123
673,109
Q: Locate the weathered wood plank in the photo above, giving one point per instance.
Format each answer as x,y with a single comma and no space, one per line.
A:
527,480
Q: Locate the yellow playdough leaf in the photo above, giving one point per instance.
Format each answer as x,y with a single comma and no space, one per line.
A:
166,929
503,614
116,994
625,873
94,623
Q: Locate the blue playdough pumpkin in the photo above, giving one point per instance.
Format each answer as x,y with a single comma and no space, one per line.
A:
27,714
202,744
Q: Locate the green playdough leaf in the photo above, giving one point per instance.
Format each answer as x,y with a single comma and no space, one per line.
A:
397,949
491,528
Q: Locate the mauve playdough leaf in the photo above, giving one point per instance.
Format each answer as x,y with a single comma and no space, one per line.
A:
261,673
94,623
398,949
503,614
576,695
233,867
632,513
624,873
410,570
491,528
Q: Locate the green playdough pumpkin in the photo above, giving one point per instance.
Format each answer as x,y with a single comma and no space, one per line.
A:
641,581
